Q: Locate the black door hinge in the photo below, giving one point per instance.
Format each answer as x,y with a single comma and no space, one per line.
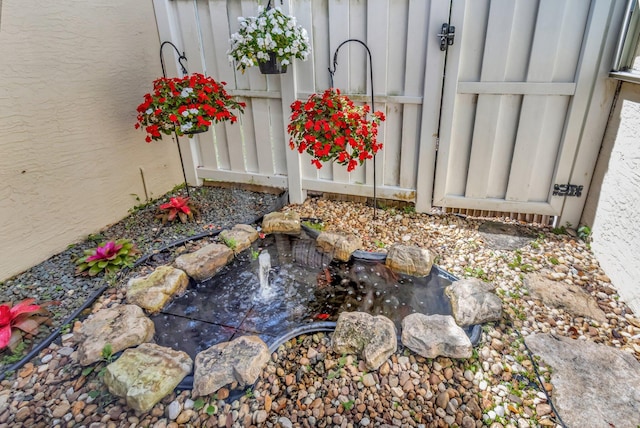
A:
567,190
447,34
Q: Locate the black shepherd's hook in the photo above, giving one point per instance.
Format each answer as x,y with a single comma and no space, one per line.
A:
181,57
373,105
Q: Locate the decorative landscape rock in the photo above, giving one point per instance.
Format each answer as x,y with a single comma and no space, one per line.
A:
146,374
594,385
561,295
240,360
206,262
242,235
153,291
409,260
373,337
281,222
122,327
435,335
501,236
473,302
340,246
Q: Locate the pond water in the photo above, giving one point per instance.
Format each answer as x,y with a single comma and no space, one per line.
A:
300,290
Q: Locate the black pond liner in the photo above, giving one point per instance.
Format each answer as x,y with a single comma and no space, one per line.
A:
307,292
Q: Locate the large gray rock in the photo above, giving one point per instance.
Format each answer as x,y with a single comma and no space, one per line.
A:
240,360
502,236
281,222
146,374
435,335
339,246
153,291
561,295
409,260
206,262
473,302
594,385
121,327
373,338
242,236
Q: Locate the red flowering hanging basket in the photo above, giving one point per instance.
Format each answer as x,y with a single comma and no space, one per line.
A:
331,128
186,105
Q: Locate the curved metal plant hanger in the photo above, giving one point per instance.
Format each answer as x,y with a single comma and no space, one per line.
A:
181,57
331,73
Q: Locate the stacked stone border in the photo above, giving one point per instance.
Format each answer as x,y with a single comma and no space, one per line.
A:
145,373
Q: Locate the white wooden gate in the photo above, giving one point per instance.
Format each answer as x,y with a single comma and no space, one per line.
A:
524,101
520,81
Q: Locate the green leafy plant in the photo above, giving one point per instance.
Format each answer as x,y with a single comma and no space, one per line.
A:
198,404
23,317
516,263
185,105
212,409
331,128
271,32
109,257
178,207
230,242
378,243
348,405
254,254
315,225
553,260
584,233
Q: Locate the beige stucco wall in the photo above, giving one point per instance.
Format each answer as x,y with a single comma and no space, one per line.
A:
613,205
71,75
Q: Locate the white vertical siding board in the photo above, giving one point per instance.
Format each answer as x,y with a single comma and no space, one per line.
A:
358,75
596,120
570,40
411,116
458,111
544,162
529,142
502,153
297,194
524,19
279,137
305,70
338,33
437,12
397,47
322,54
486,145
168,30
587,74
262,135
393,131
234,10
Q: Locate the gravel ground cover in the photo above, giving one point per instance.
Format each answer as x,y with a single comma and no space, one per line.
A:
306,384
55,279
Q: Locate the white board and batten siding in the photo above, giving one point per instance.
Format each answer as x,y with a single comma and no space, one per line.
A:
520,110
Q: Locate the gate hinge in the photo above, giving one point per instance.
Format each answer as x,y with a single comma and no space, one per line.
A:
567,190
447,34
437,143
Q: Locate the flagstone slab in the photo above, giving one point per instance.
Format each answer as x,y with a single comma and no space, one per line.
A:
594,385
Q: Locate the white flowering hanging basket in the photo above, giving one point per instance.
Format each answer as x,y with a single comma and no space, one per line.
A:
270,40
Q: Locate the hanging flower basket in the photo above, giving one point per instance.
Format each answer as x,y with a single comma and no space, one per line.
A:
330,127
272,66
268,35
186,105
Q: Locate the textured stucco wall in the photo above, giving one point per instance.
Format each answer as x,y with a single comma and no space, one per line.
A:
71,75
613,206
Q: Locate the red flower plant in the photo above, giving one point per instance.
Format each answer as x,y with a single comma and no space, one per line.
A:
330,127
187,105
177,207
17,319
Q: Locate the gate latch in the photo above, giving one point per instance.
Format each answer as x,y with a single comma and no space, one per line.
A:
567,190
446,35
